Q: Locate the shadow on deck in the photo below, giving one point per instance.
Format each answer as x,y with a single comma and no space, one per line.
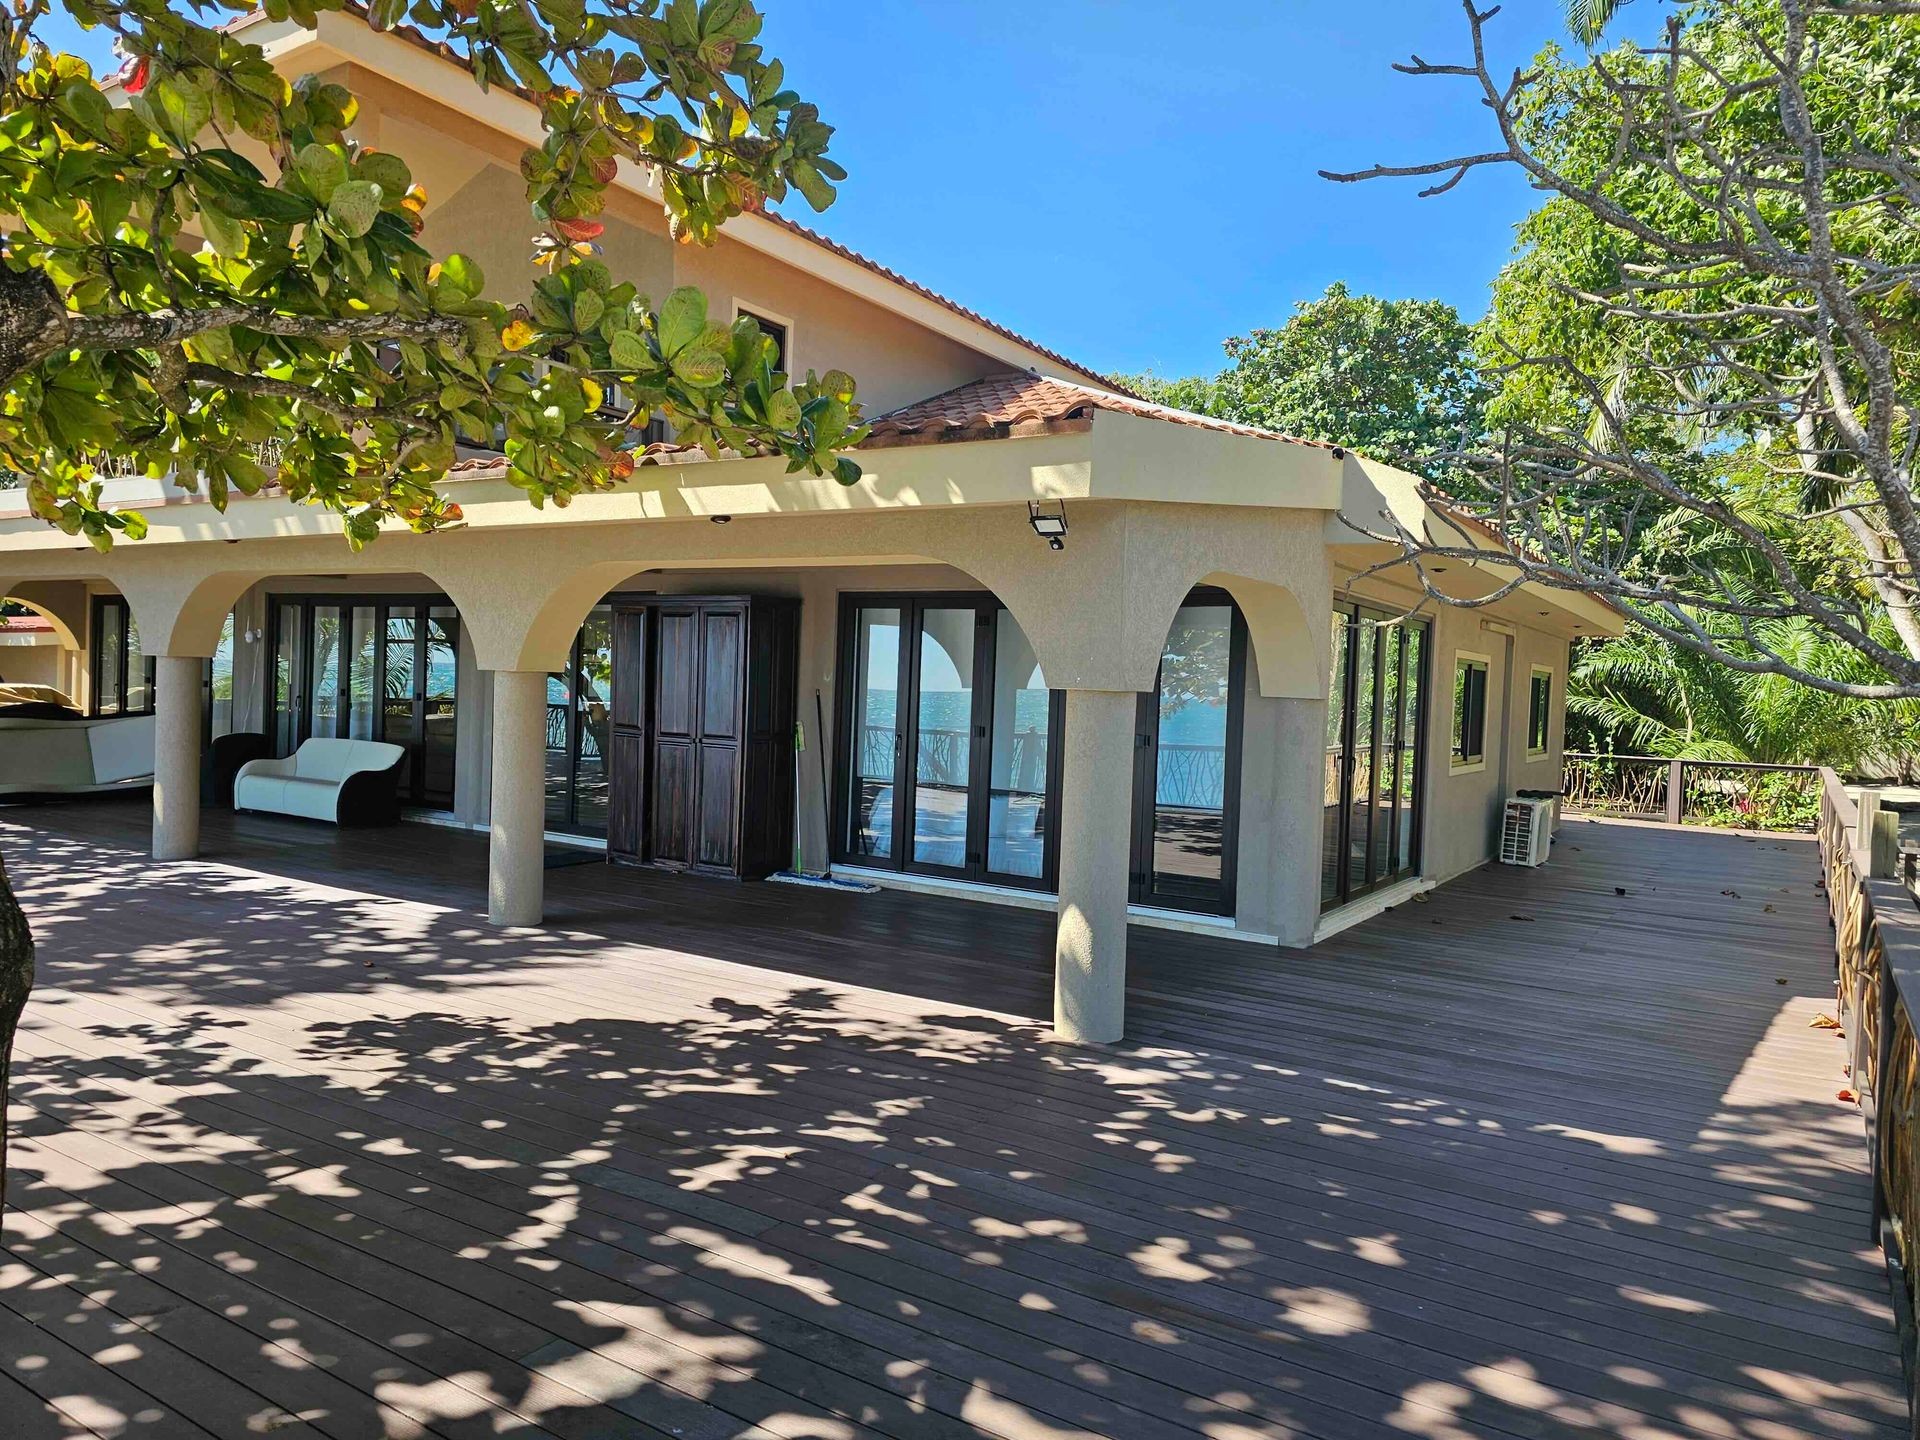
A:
1529,1158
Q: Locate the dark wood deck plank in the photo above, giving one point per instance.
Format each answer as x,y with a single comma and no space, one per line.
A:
785,1160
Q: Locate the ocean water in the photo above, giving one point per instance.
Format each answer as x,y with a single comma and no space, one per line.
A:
1191,724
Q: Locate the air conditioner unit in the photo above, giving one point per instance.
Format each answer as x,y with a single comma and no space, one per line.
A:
1526,832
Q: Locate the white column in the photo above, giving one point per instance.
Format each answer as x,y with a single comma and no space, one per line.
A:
516,855
176,756
1096,823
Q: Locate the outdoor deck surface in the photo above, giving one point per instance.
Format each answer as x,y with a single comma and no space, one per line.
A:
1532,1158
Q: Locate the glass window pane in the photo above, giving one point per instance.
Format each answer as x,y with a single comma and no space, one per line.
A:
108,649
1189,831
363,688
593,698
285,726
1365,751
943,742
1416,643
559,754
220,683
323,672
877,739
1387,765
440,680
1017,764
139,697
1336,761
397,726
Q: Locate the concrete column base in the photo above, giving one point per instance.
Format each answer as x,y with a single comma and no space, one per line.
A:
1096,827
176,756
516,853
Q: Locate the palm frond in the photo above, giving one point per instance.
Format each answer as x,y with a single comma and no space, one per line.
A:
1588,18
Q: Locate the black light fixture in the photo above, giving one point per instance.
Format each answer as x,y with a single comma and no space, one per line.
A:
1050,528
721,519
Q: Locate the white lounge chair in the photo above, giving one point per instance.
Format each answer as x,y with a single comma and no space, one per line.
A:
349,782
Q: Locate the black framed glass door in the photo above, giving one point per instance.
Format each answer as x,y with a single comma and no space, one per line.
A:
1376,722
579,730
1186,780
369,668
950,754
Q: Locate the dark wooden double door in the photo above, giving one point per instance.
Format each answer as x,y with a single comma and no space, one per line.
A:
701,763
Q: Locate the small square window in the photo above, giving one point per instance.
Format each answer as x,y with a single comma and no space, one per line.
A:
774,330
1540,712
1469,710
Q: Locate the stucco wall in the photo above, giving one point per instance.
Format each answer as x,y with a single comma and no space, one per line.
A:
477,203
37,664
1464,804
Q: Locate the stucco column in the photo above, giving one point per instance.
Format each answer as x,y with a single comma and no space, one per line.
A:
1283,816
176,756
516,854
1096,822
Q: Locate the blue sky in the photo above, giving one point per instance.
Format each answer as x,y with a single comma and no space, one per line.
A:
1130,182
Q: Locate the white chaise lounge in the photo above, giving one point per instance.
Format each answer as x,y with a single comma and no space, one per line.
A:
347,782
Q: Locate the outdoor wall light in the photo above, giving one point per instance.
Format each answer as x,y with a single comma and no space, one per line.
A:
721,519
1050,528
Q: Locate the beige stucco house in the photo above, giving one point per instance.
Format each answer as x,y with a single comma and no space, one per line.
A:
1184,714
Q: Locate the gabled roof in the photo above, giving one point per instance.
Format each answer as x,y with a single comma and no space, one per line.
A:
1022,403
356,10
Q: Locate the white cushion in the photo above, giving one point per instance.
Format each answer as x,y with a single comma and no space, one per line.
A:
322,759
308,782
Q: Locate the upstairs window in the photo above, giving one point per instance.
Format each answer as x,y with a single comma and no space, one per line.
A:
1539,711
1469,710
776,330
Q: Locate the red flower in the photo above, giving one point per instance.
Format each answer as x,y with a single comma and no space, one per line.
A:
133,74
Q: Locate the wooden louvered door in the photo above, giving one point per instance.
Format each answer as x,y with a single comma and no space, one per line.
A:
627,738
702,765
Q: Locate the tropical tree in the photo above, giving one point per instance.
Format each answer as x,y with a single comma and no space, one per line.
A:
1724,269
1393,378
1640,695
168,304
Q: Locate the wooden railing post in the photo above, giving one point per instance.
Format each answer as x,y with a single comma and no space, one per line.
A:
1676,791
1885,845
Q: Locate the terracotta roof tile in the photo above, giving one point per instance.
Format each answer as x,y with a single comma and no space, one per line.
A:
26,624
1020,403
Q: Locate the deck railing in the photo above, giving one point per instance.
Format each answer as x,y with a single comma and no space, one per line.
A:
1728,794
1876,928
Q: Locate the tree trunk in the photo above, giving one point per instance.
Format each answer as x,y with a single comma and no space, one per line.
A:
16,980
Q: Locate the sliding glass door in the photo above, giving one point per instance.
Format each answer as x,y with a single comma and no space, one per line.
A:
369,668
1186,768
1375,722
949,759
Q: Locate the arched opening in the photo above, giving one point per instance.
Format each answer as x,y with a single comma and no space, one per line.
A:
1186,780
1289,658
41,654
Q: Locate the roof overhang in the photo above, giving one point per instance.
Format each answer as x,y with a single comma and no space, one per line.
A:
1110,457
1380,496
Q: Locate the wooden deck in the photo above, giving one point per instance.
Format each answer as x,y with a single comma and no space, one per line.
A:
1531,1158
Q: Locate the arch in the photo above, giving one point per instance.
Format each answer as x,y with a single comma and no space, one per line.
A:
62,630
510,638
193,620
1288,652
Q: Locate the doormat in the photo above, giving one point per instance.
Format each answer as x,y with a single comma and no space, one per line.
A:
567,855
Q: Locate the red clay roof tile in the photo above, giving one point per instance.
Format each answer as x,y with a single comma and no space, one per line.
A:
1022,403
